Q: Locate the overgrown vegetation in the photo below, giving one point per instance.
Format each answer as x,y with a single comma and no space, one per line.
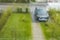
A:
52,27
4,17
18,27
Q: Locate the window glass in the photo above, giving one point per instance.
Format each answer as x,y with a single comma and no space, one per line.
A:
41,11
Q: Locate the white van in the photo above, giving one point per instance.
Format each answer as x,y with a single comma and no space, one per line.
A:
41,14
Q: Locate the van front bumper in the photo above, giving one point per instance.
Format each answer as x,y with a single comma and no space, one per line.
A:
42,19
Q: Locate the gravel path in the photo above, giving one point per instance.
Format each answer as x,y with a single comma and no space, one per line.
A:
37,32
36,29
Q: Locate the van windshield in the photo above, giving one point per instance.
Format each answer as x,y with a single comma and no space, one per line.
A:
42,12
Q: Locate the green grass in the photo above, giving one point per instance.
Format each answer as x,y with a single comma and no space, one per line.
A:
51,28
18,27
